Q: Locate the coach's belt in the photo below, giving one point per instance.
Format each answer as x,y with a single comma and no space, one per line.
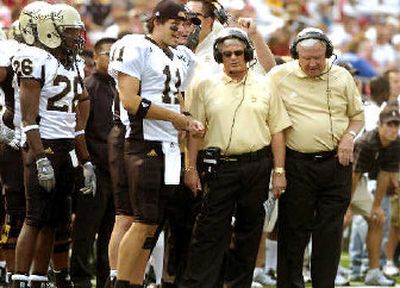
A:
248,157
317,156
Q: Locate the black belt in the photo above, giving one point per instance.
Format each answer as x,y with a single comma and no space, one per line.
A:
317,156
248,157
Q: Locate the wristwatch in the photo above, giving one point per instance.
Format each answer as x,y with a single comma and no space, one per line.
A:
279,171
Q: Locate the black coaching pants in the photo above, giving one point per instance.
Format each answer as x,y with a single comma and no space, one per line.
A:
239,190
314,204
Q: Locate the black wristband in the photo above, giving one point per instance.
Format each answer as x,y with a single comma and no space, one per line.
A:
85,160
143,108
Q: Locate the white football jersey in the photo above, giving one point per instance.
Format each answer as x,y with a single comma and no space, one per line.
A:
60,90
8,48
188,61
161,74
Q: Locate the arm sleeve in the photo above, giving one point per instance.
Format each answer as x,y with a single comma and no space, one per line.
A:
355,109
30,64
197,104
127,58
278,118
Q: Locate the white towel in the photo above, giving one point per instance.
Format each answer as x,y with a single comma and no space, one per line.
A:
172,163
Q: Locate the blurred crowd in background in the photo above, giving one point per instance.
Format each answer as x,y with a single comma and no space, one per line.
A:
365,33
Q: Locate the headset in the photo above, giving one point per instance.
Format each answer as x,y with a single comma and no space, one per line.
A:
231,33
219,12
311,35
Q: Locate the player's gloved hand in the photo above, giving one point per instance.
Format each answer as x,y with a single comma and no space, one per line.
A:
45,172
7,136
90,179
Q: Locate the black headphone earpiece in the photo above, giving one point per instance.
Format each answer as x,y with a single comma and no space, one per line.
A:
219,12
312,35
230,33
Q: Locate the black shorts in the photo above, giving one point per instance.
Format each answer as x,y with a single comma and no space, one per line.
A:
144,162
116,140
49,208
11,175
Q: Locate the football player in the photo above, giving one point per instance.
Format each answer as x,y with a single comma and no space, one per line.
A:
11,167
54,110
152,155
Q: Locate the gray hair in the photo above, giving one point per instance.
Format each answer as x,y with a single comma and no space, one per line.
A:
308,43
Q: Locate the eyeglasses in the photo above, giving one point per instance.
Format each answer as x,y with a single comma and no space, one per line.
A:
107,53
229,54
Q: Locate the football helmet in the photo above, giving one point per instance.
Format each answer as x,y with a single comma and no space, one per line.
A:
3,35
29,18
53,31
14,32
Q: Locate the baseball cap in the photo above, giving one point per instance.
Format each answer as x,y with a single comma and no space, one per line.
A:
170,9
390,114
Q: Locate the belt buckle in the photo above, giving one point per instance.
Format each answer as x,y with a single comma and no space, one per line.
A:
318,157
229,159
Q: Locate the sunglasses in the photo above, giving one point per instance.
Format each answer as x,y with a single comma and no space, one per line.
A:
229,54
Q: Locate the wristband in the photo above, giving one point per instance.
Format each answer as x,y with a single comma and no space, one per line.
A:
143,108
80,132
29,128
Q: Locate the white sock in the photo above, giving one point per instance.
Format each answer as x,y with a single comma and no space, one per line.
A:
38,278
157,258
113,273
389,262
20,277
257,271
271,253
2,264
373,270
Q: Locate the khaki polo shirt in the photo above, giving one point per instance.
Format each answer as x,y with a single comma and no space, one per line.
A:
320,109
245,108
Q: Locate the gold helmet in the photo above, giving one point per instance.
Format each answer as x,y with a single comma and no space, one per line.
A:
3,35
29,18
14,32
52,30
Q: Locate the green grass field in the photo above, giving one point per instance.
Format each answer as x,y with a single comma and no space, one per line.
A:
345,262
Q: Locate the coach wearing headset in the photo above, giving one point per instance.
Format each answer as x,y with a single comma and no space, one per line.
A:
244,123
325,108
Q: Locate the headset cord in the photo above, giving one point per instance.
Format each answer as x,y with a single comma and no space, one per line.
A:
328,102
235,114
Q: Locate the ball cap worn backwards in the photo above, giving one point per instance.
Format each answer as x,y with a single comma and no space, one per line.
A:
170,9
390,114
